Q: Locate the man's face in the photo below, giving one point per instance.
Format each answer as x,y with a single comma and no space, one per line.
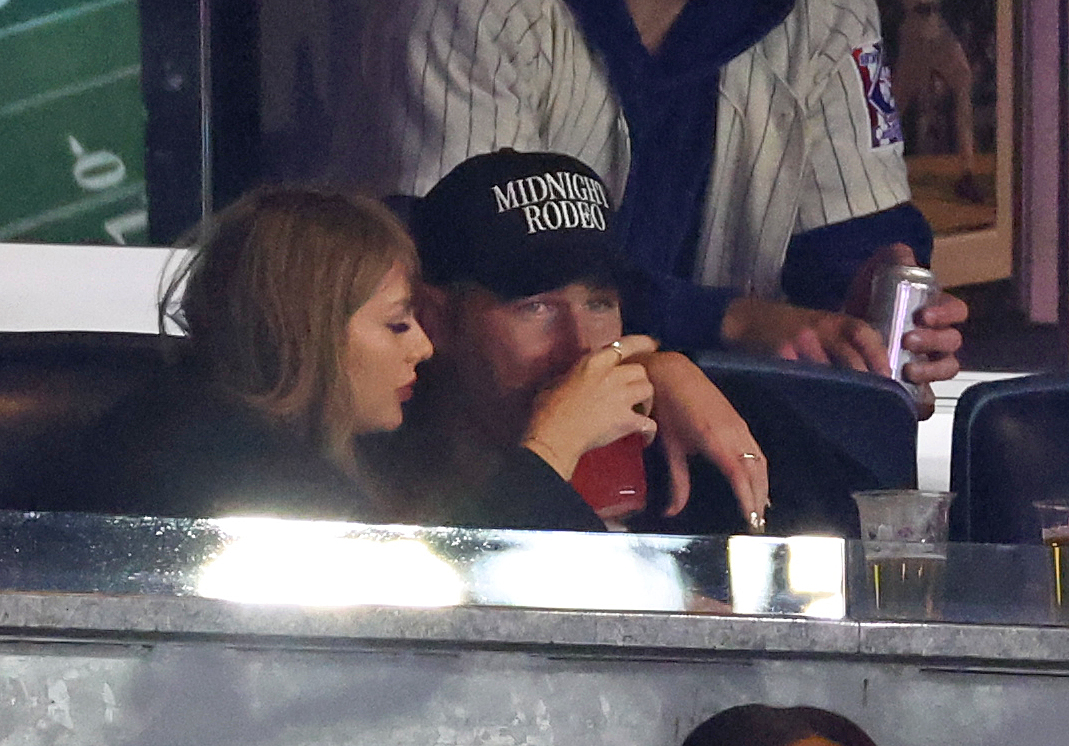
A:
506,352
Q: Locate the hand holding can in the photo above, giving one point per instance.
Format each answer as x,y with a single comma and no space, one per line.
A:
899,293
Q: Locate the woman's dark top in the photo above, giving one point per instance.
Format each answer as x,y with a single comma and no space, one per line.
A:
183,448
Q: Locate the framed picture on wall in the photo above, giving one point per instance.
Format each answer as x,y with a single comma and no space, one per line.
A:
953,80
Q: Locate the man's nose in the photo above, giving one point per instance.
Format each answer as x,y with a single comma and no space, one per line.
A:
591,334
569,341
582,334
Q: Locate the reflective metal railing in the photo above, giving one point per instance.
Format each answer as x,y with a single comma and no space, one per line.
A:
316,563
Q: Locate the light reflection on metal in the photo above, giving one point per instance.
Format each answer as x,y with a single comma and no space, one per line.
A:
566,570
802,575
277,561
318,563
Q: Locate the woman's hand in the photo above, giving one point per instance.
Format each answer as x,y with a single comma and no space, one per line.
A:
693,417
601,399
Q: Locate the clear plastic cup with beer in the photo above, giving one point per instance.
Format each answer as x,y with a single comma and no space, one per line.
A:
904,533
1054,525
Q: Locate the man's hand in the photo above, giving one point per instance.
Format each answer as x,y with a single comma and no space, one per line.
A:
804,334
843,339
693,417
934,341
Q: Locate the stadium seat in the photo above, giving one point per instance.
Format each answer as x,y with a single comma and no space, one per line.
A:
870,418
53,387
1008,449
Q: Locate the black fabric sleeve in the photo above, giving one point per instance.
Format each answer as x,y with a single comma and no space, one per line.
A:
821,263
526,493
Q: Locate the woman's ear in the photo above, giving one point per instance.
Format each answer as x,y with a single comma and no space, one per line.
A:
433,311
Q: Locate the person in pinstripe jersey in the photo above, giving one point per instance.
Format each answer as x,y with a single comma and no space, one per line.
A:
754,150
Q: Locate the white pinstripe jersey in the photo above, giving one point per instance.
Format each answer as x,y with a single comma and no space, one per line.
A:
447,79
443,80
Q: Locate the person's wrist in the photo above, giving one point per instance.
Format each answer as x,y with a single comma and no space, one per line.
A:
736,319
558,458
660,360
662,367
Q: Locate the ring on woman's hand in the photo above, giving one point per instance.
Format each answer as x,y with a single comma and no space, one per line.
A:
749,456
618,349
757,523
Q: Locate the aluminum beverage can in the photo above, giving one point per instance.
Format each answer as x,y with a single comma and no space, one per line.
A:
899,292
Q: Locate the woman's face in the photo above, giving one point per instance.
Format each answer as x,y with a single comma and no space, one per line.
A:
383,345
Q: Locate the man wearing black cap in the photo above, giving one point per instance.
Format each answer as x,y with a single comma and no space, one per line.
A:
753,149
522,307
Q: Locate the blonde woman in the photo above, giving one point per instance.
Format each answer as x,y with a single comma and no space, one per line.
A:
301,335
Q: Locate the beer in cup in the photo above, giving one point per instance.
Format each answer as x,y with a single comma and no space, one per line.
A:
1054,524
904,534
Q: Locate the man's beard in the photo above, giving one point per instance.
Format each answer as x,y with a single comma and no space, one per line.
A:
502,419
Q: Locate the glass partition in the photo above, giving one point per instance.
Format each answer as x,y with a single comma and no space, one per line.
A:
113,111
73,120
954,83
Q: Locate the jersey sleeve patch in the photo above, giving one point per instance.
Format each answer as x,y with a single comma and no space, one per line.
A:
884,123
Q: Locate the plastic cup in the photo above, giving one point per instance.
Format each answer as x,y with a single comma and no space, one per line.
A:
1054,527
904,533
612,479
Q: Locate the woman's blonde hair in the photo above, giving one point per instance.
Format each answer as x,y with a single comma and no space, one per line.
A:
268,296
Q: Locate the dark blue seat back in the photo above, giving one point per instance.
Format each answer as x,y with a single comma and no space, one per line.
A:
54,386
871,419
1010,447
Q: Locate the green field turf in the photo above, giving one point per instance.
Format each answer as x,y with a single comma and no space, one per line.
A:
71,122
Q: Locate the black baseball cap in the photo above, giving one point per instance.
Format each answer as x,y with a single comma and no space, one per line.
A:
517,224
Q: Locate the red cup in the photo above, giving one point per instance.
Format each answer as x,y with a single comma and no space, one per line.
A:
612,479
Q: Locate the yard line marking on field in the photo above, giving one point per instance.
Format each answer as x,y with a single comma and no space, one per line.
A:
71,210
58,16
40,99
